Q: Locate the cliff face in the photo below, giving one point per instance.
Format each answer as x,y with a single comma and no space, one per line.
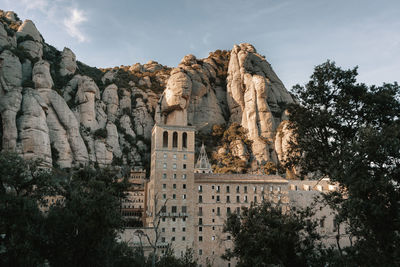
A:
66,113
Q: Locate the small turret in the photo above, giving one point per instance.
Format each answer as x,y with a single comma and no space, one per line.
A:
203,165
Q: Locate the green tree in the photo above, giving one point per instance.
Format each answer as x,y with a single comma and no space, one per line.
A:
23,185
350,132
82,228
263,235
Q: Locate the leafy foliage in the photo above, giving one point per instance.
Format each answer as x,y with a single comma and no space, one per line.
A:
263,235
350,132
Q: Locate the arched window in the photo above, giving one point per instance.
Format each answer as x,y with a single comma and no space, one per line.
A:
175,139
165,139
184,140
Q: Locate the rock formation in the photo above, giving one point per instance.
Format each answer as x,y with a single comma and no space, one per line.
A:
105,116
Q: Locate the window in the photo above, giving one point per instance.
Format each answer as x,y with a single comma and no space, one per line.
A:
212,187
183,239
164,176
228,210
165,139
200,199
200,229
245,199
228,200
200,238
237,189
184,176
218,211
174,186
238,210
200,213
255,189
163,219
213,228
173,229
184,209
174,156
321,223
245,189
213,237
164,196
212,197
165,166
218,188
184,166
184,156
174,175
200,221
218,199
184,186
183,229
173,219
174,166
184,219
237,199
227,189
184,196
163,230
184,140
228,237
173,238
165,155
163,240
173,209
271,188
200,188
164,186
175,139
173,196
200,252
279,189
255,199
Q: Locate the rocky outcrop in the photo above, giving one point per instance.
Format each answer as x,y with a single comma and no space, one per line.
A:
32,45
256,98
68,62
10,97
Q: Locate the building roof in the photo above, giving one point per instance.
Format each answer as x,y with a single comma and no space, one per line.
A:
237,178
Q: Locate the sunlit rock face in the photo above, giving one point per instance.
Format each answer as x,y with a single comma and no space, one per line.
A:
256,99
68,62
34,45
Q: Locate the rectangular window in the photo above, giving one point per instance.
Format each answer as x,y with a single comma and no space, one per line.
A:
200,252
173,229
200,229
164,196
165,155
227,189
228,200
183,229
218,211
162,239
163,230
213,237
183,238
173,209
184,196
237,189
200,188
271,188
184,156
174,186
200,199
173,196
255,199
200,221
245,199
200,238
164,176
238,210
218,188
184,186
173,238
237,199
255,189
174,175
212,187
200,213
165,166
174,166
184,166
184,176
228,210
184,209
174,156
164,186
218,199
163,209
245,189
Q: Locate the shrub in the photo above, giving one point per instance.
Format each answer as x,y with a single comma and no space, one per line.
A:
100,133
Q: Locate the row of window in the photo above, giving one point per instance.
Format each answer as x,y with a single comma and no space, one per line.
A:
163,219
173,229
174,176
174,166
174,209
172,239
164,196
174,139
174,156
227,188
228,199
212,238
164,186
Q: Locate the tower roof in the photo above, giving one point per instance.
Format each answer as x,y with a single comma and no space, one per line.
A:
203,165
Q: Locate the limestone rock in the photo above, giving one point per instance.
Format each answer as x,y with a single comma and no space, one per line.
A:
33,48
34,133
26,70
4,39
143,120
10,97
239,149
110,98
104,152
256,99
125,103
109,76
87,95
68,62
63,126
112,139
29,28
11,16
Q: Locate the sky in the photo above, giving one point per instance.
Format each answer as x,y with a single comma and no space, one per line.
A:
294,35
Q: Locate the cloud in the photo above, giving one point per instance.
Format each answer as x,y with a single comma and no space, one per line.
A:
73,23
35,4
